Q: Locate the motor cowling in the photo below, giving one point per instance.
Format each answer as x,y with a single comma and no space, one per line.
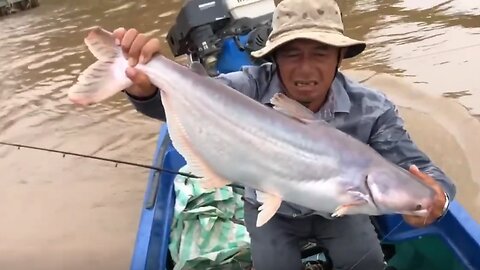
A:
204,27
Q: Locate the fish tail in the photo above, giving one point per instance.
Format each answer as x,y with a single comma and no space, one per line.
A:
106,76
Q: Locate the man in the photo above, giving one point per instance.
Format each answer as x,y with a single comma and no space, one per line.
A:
306,48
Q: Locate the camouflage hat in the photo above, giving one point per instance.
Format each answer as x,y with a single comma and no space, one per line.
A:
319,20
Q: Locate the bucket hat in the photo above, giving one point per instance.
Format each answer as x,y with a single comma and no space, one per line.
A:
319,20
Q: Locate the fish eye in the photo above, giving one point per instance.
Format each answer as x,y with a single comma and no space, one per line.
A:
418,207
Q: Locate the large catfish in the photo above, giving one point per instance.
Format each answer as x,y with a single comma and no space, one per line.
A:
227,137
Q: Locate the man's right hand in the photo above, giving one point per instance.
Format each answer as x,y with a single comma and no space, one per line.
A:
137,48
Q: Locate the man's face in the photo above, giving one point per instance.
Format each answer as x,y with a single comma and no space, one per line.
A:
307,69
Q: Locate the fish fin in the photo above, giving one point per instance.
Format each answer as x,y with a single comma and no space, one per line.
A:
198,68
351,207
212,180
270,205
179,136
292,108
106,76
101,43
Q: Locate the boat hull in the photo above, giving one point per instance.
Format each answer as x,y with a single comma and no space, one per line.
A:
450,244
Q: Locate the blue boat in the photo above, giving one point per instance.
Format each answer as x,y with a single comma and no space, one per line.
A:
453,243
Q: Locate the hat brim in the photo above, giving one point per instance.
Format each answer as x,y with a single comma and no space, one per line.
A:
336,39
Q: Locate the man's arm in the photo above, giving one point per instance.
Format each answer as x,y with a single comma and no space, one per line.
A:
151,106
145,97
242,81
393,142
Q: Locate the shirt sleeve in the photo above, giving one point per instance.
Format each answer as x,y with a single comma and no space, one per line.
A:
393,142
150,106
243,81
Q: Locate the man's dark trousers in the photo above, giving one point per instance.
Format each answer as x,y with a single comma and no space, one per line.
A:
350,241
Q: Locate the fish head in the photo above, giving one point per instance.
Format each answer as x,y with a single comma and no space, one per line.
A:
398,191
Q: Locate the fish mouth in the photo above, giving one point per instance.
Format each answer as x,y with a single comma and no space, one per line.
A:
420,213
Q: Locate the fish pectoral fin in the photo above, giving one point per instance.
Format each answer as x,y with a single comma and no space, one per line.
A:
270,205
292,108
357,200
350,208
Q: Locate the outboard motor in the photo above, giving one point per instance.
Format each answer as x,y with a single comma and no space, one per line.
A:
220,34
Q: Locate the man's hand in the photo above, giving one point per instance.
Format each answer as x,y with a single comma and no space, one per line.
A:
137,48
439,202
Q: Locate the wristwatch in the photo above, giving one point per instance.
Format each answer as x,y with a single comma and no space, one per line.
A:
445,206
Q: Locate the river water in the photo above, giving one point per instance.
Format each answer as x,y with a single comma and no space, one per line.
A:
73,213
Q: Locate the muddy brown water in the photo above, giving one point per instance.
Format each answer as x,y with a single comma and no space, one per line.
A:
74,213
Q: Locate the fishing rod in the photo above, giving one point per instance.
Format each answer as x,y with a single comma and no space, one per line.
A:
64,153
381,240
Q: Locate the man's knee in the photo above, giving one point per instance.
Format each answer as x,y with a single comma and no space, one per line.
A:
352,244
272,245
365,258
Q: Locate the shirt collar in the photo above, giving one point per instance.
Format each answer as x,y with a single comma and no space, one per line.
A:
339,94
